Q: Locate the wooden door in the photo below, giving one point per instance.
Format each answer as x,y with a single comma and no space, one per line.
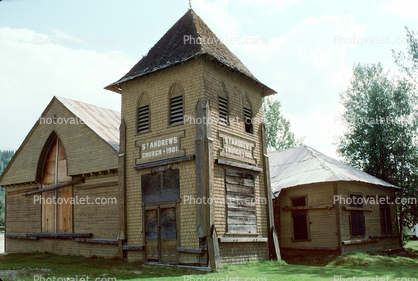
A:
161,234
168,235
151,234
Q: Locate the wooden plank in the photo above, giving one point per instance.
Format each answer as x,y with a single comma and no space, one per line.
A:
190,250
242,229
13,236
242,239
242,220
22,191
239,181
239,189
133,248
240,212
98,185
164,162
56,186
345,208
60,235
238,165
214,255
360,241
328,207
97,241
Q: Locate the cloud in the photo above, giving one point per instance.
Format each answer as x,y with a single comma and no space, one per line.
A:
269,6
33,72
402,8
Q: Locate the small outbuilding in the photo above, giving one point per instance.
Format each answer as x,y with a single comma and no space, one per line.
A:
321,204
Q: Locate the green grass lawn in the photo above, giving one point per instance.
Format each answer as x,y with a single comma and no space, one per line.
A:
387,266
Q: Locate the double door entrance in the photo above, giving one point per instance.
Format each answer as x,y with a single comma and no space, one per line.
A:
161,233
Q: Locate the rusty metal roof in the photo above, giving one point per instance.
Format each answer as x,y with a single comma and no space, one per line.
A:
102,121
305,165
182,43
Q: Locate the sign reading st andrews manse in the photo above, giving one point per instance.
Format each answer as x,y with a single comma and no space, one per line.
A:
160,147
237,147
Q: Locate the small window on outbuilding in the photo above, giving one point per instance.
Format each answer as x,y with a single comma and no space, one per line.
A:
223,105
176,114
357,220
248,116
143,114
300,220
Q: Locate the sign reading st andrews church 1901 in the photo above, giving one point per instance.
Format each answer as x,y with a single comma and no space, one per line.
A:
237,147
160,147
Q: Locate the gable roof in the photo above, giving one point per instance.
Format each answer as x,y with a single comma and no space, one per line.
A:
172,49
102,121
305,165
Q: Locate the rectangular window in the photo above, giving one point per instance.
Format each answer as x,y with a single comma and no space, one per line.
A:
223,110
143,119
300,219
240,199
176,110
248,120
357,220
160,187
385,219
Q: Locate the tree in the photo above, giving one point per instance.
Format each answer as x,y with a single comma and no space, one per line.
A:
411,57
381,118
278,134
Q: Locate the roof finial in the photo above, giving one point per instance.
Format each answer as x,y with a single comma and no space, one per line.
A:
190,4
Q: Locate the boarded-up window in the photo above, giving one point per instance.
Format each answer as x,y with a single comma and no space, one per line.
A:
240,199
300,219
385,219
176,105
357,220
56,207
248,116
143,117
160,187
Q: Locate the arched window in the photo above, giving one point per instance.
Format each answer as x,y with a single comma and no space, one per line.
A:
55,217
143,114
176,114
248,116
223,104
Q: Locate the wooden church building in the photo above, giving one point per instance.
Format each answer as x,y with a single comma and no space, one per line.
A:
314,207
186,161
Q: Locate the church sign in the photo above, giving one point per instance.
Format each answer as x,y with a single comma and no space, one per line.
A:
160,147
237,148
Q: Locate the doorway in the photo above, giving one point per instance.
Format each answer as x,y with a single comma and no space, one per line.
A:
161,233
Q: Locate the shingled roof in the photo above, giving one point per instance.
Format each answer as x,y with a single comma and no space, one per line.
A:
171,50
304,165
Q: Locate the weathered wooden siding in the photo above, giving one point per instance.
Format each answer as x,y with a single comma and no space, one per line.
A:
238,88
157,85
24,215
322,222
372,219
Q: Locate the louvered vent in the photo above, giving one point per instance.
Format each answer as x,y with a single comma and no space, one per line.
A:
176,110
143,119
223,110
248,121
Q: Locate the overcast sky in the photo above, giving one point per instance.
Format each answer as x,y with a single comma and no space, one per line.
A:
303,49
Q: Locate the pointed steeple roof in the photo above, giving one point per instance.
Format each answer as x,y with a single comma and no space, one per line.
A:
174,48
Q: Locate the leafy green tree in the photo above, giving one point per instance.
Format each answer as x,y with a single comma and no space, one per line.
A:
278,133
408,62
381,119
